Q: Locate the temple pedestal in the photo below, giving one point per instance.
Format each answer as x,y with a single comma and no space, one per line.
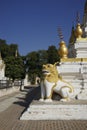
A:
73,110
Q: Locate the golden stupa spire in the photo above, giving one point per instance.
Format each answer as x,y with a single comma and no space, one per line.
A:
72,37
63,51
85,7
78,30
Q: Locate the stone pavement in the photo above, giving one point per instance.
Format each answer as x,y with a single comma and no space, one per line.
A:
16,104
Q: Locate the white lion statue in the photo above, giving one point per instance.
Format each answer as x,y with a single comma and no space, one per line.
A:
51,82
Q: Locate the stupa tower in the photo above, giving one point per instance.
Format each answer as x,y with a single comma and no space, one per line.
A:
73,68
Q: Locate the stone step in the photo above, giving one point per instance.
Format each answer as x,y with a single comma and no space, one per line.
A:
55,111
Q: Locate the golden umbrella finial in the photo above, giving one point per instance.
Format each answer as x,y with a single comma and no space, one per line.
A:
60,34
78,18
62,51
78,31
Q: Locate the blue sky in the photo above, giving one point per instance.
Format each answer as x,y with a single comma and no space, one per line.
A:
33,24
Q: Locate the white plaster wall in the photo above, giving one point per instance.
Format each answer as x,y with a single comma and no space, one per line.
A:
76,74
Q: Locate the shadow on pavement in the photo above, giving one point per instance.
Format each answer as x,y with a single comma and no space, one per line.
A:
34,94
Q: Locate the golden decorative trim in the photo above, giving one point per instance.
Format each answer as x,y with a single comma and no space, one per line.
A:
81,39
84,59
74,60
70,86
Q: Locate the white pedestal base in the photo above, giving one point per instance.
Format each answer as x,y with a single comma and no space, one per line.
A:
74,110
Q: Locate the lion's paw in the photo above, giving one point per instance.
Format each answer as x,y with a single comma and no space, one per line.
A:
48,100
65,99
41,100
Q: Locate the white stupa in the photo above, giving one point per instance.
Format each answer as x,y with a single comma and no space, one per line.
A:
73,66
2,68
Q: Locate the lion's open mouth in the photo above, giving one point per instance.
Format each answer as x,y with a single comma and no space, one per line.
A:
45,72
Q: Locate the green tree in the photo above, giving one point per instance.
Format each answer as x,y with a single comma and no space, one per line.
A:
32,60
4,48
13,48
7,50
52,54
43,57
14,68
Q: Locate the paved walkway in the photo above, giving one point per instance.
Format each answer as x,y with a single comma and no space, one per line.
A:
12,106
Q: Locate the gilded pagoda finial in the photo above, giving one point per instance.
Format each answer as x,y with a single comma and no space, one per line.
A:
78,30
78,18
60,34
63,51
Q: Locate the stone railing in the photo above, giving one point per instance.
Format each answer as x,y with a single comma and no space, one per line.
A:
5,84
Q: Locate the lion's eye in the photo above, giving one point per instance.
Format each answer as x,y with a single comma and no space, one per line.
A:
48,65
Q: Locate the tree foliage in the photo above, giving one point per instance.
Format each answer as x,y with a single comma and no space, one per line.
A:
17,67
36,59
52,54
14,65
7,50
4,48
14,68
34,63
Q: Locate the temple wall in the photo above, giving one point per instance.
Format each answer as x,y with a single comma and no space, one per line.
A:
76,74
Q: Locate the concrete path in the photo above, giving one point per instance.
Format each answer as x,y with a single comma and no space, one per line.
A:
12,106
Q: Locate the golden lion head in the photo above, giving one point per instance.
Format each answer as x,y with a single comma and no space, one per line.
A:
50,72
